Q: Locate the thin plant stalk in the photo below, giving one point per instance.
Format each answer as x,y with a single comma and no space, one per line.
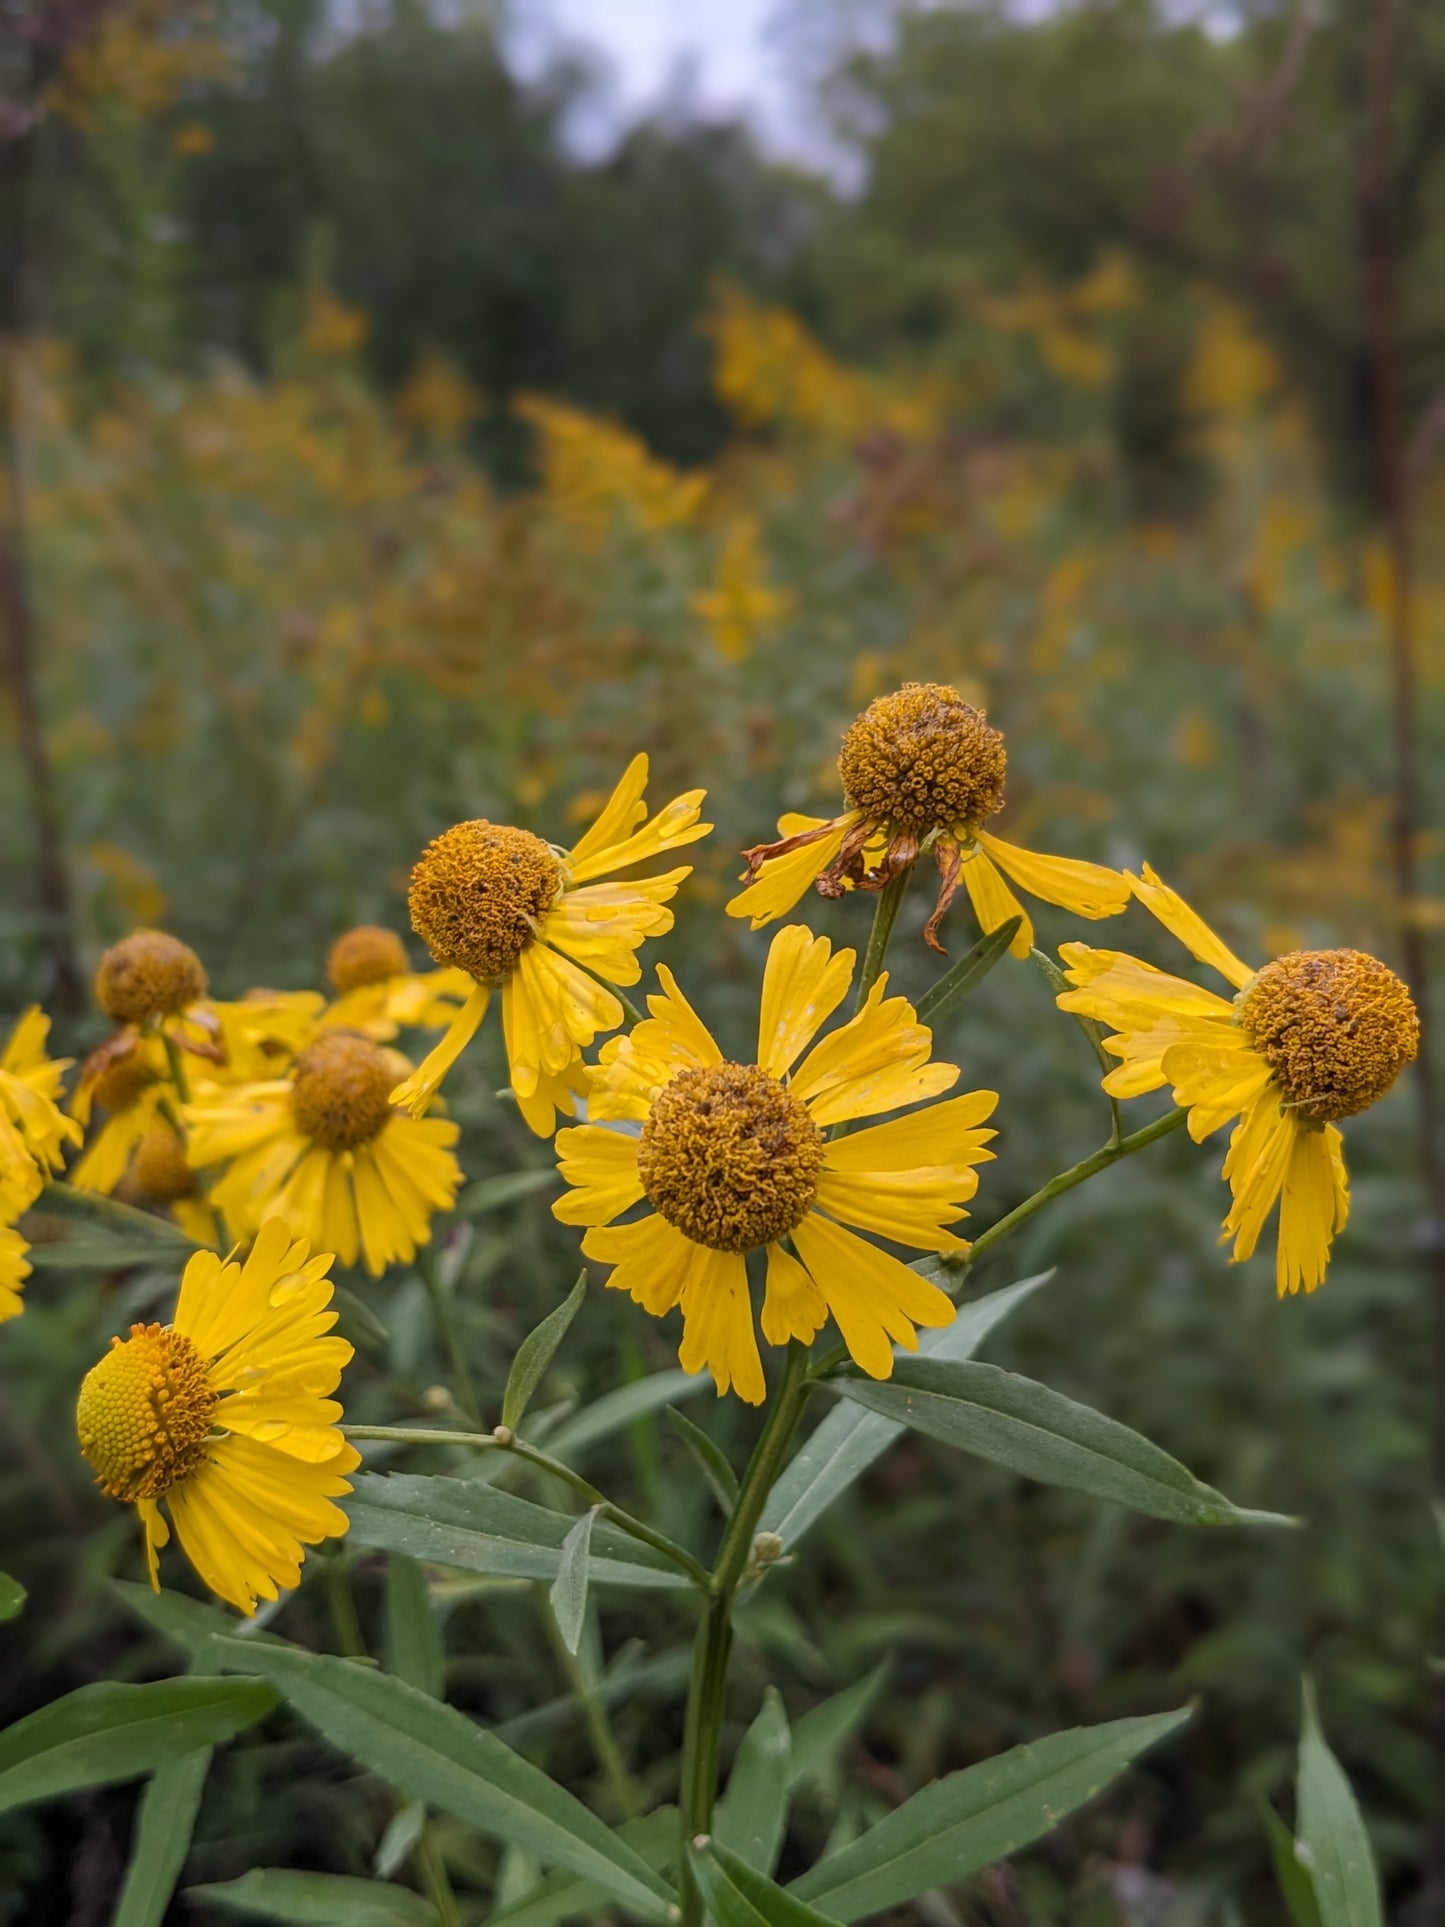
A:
464,1385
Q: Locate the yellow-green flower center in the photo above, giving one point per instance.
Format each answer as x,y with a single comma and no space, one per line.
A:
145,1413
341,1090
730,1157
148,975
478,893
923,759
1336,1027
366,955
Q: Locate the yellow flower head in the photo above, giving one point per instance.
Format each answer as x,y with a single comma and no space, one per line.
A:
159,1177
378,992
732,1158
128,1079
15,1268
921,769
512,911
1311,1038
324,1149
33,1129
225,1415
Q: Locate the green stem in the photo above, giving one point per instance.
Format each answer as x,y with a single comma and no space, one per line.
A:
1066,1180
432,1871
1093,1031
124,1217
714,1635
177,1067
464,1388
885,911
504,1441
963,978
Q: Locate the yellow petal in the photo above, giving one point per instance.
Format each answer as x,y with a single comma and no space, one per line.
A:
651,1259
1259,1154
1088,889
993,901
782,881
1189,927
717,1333
621,813
943,1134
876,1301
793,1306
803,984
674,825
603,925
1215,1075
416,1092
1314,1205
877,1061
910,1208
601,1168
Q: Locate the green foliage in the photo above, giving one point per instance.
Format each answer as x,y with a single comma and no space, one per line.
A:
1332,1842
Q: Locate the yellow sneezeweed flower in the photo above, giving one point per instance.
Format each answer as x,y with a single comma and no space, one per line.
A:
225,1414
261,1033
921,769
159,1177
129,1078
732,1158
33,1129
1313,1037
377,991
538,921
325,1149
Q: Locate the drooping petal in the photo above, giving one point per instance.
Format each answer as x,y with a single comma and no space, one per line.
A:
1189,927
876,1301
803,984
1259,1154
993,901
783,880
1216,1075
416,1092
651,1259
603,926
717,1324
1313,1206
1088,889
793,1306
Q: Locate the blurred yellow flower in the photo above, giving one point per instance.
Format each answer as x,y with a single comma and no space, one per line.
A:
377,991
732,1158
594,471
921,769
33,1129
511,910
1313,1037
741,606
226,1415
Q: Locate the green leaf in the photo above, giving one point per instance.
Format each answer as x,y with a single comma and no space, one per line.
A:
455,1522
559,1897
107,1254
395,1846
821,1731
738,1896
1295,1880
434,1754
491,1194
164,1823
849,1440
536,1352
707,1455
960,979
752,1815
188,1623
1038,1432
569,1588
12,1597
978,1816
317,1900
1332,1842
414,1641
616,1410
107,1732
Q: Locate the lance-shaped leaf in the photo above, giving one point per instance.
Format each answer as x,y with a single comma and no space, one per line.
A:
413,1637
536,1352
12,1596
818,1735
707,1455
1331,1840
1296,1882
569,1588
970,1819
558,1896
850,1440
317,1900
164,1822
107,1732
436,1755
752,1815
614,1410
453,1522
1036,1431
964,977
737,1895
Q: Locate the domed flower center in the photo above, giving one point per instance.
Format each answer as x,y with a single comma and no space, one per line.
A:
145,1413
478,893
1335,1026
118,1085
158,1172
730,1157
923,759
366,955
148,975
341,1090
